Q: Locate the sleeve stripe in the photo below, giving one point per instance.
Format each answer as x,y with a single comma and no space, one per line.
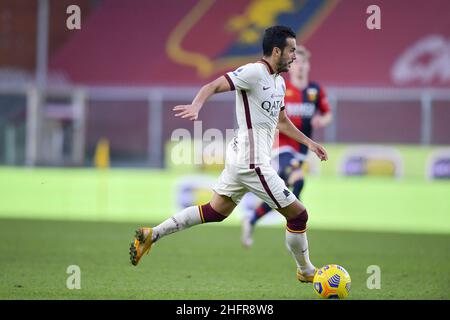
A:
229,81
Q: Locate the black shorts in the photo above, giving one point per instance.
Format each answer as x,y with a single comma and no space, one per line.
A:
287,162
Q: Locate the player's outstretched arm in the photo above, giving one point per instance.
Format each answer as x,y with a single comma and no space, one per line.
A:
286,127
191,111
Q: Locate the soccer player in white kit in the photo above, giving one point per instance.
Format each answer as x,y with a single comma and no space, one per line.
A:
260,94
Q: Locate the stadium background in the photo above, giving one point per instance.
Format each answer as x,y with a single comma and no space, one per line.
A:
85,143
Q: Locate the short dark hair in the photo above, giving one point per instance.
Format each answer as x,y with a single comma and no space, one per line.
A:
276,37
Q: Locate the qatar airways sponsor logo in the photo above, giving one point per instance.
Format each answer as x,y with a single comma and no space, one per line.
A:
427,61
272,107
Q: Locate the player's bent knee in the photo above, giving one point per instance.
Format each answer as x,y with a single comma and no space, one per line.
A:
222,204
298,223
208,214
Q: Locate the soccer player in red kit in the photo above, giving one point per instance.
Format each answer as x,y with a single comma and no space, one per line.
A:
308,109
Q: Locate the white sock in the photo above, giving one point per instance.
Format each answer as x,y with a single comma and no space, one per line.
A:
186,218
297,244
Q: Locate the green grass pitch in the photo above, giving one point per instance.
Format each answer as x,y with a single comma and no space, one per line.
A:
207,262
53,218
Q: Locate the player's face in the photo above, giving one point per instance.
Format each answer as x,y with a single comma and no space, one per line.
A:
287,56
300,67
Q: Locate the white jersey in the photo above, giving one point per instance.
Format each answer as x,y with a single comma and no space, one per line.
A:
259,100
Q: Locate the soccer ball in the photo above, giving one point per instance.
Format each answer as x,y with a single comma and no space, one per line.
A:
332,282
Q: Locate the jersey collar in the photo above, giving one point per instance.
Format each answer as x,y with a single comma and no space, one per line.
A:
267,65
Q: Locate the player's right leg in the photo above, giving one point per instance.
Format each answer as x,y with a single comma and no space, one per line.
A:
227,193
216,210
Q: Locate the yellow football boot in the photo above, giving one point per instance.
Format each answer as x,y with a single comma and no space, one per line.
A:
306,278
142,244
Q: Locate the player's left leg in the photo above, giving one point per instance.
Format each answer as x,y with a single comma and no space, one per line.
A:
297,240
286,163
272,189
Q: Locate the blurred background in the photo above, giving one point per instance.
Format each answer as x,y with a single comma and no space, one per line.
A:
89,87
88,139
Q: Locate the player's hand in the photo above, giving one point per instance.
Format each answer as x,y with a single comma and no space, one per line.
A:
319,151
317,122
189,111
